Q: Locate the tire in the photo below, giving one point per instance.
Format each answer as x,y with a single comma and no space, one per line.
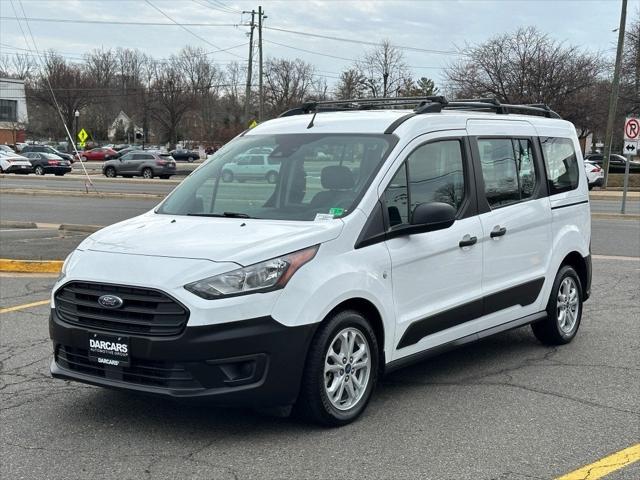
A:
110,172
315,402
227,176
190,159
147,173
272,177
38,170
563,319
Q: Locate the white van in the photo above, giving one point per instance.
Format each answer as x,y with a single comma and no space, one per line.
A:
388,236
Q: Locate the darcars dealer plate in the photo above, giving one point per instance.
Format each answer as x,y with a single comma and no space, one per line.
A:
109,350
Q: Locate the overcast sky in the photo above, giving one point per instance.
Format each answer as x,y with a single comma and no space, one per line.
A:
444,25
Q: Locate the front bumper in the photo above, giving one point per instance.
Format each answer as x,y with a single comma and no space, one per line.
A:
257,362
598,182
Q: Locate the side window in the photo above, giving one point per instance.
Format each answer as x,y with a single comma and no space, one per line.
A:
562,164
508,170
396,198
436,174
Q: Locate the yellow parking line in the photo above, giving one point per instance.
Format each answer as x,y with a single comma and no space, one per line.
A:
23,306
30,266
606,465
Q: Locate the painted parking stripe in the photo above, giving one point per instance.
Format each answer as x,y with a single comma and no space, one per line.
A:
23,306
606,465
616,257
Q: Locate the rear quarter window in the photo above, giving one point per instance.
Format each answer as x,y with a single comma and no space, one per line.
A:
561,162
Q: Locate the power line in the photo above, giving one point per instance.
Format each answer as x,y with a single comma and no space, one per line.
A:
116,22
187,29
364,42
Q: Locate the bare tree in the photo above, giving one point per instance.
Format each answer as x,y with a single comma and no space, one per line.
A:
350,85
630,78
18,65
287,83
384,70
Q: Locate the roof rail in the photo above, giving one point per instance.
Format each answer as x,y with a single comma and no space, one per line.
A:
426,104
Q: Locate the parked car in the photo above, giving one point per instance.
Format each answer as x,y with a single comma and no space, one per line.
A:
99,154
188,155
47,149
126,150
252,166
44,163
595,174
11,162
141,164
616,163
307,291
7,149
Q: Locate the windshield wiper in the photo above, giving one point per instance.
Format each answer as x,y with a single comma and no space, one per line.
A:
224,214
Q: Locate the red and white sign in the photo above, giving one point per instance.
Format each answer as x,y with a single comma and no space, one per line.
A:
632,128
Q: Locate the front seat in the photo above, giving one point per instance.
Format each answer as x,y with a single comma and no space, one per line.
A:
338,183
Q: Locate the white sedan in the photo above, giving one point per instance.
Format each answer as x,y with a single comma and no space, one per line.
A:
595,174
14,163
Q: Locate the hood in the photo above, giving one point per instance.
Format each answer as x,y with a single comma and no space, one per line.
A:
243,241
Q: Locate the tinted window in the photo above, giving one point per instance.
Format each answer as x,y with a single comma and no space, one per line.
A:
507,170
128,156
436,174
8,110
561,163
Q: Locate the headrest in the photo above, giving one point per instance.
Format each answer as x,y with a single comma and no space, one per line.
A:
336,177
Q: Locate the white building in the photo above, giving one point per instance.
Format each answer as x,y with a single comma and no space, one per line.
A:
13,111
126,123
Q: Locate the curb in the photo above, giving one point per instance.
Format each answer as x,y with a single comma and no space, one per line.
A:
25,225
72,227
615,216
30,266
72,193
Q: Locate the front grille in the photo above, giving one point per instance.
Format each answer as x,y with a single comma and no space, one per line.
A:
141,372
144,311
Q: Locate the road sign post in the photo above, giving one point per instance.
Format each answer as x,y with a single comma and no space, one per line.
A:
631,139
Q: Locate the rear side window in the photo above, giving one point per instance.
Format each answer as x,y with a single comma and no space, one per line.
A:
507,170
562,164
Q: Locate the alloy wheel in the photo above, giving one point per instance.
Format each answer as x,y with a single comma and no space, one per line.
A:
567,305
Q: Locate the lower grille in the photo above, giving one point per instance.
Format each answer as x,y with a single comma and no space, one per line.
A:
142,372
144,311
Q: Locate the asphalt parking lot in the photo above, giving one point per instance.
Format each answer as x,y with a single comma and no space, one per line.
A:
504,408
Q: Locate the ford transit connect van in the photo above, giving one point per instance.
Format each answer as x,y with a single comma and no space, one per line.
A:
388,235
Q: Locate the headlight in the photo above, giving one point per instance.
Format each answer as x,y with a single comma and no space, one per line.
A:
260,277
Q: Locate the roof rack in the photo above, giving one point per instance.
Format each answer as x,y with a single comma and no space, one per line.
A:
427,104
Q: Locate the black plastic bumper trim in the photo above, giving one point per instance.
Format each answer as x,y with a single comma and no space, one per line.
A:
273,356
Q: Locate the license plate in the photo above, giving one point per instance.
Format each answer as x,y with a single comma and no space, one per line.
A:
23,166
109,350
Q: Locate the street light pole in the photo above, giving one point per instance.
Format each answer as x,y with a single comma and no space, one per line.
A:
75,133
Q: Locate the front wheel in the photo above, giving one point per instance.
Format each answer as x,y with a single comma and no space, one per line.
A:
341,370
272,177
110,172
147,173
564,310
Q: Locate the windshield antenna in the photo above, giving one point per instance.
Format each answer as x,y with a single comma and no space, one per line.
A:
312,119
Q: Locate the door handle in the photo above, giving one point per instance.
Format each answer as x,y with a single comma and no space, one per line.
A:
467,241
498,231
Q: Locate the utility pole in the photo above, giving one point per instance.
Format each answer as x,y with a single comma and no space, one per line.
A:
247,96
260,88
613,98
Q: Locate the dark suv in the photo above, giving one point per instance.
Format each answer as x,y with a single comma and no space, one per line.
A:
47,149
141,164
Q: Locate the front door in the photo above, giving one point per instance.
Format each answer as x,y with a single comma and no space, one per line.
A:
436,275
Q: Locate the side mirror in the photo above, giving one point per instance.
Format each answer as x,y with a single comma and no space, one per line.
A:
428,217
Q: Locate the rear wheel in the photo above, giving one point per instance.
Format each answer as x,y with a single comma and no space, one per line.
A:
110,172
564,310
190,159
147,173
272,177
341,370
39,170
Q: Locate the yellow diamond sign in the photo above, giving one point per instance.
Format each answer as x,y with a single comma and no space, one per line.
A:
253,124
83,135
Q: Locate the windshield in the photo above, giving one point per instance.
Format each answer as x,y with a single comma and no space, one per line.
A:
282,177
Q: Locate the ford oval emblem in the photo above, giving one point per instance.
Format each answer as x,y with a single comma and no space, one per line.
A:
110,301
